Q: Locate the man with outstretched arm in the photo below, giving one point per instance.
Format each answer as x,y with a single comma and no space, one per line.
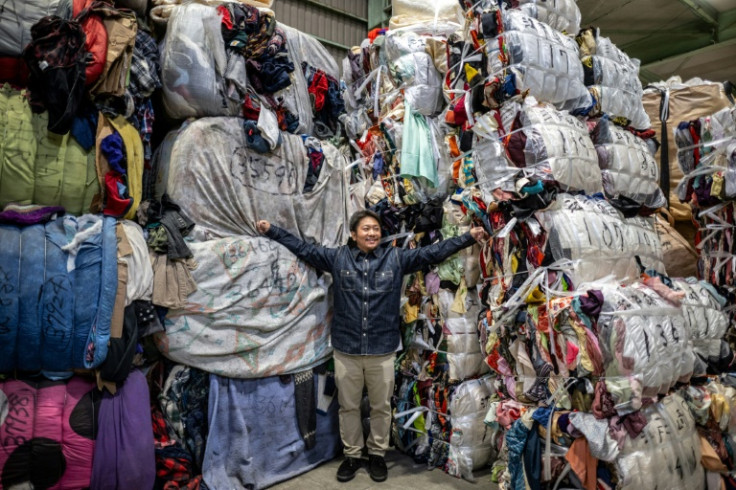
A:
365,325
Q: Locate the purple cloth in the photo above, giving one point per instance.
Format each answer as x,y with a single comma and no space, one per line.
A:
592,303
124,451
114,150
30,215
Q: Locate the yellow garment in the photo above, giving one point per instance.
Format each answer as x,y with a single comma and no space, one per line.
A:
458,305
410,313
470,72
716,189
134,153
709,458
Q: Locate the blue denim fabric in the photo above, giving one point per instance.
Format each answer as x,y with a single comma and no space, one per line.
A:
367,287
51,319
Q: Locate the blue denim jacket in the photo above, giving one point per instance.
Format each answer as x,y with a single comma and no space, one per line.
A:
367,290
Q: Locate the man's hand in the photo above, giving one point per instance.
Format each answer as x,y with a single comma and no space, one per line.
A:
263,226
479,234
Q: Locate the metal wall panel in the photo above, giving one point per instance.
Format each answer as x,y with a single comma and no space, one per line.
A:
343,23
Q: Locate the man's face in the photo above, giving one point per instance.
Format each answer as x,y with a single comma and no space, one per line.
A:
367,234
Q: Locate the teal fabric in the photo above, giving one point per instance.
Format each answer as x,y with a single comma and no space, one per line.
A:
417,155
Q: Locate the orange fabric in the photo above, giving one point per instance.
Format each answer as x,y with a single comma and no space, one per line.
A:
583,463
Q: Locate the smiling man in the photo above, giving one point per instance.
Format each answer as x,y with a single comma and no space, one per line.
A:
365,327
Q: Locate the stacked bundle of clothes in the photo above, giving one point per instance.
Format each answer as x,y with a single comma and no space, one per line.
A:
117,254
707,156
536,131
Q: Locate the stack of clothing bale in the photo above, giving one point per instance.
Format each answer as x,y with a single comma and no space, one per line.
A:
122,242
513,118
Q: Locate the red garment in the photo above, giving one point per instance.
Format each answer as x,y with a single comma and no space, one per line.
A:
14,71
226,19
318,89
95,42
374,33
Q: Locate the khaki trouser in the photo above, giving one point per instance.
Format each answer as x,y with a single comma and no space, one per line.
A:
377,373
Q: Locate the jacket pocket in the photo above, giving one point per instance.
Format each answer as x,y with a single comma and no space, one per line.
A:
383,280
348,280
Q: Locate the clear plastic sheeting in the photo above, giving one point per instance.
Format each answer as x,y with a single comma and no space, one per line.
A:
413,71
194,65
706,323
471,441
541,60
627,165
613,80
556,146
599,240
643,336
302,48
563,15
464,355
666,454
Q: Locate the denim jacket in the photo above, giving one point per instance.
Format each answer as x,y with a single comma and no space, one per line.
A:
367,290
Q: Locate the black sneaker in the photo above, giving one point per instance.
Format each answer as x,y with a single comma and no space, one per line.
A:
348,469
377,468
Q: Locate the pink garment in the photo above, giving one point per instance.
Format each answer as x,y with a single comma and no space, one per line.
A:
674,297
54,419
508,412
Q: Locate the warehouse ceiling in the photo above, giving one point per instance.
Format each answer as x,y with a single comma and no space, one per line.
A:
689,38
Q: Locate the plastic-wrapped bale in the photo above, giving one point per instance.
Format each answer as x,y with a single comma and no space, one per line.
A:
666,454
259,431
39,167
57,286
702,307
533,56
552,144
16,34
464,356
471,443
194,65
668,104
628,168
303,48
601,242
707,157
644,337
563,15
613,79
258,311
47,433
413,71
225,186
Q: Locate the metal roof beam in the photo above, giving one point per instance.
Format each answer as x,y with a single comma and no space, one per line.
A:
702,9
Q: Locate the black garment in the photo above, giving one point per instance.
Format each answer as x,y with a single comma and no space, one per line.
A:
56,59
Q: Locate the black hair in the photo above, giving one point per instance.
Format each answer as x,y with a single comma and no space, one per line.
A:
356,218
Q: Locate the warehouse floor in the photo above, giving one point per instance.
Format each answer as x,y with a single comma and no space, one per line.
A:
403,474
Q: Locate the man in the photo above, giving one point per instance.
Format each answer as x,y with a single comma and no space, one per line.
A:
365,326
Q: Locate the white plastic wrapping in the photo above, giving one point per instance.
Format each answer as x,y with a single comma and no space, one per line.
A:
464,354
644,336
705,320
412,69
600,241
613,78
194,65
225,187
471,442
563,15
302,47
16,19
543,60
557,147
627,165
667,452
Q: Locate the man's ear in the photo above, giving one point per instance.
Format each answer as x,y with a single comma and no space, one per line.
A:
353,235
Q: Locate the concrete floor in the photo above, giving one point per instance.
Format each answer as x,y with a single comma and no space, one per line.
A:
403,474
